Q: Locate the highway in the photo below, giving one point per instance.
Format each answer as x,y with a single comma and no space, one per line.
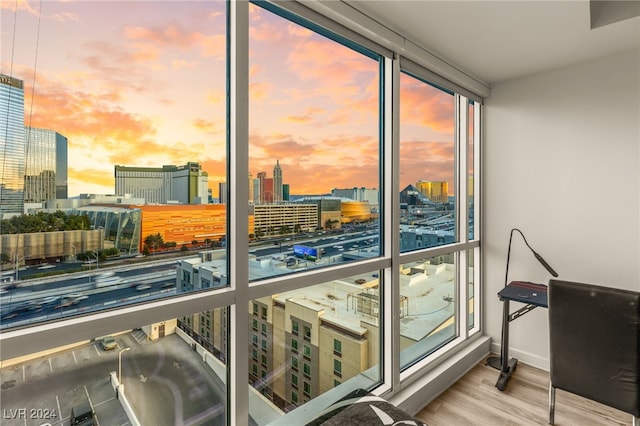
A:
37,300
53,298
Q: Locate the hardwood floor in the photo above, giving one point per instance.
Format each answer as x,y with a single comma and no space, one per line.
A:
474,400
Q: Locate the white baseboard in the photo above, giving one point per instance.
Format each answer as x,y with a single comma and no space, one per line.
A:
524,357
419,394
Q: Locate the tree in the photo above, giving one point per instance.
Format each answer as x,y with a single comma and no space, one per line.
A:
285,229
153,241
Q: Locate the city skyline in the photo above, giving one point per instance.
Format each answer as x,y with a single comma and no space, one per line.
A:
149,88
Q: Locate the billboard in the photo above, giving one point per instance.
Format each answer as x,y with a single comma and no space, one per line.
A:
305,252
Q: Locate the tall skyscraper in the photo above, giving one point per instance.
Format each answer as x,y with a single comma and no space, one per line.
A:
251,196
261,177
222,192
436,191
277,183
12,146
46,166
256,191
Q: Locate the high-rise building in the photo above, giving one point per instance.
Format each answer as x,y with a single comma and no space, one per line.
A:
261,178
277,183
256,191
251,189
436,191
267,191
160,185
370,195
12,145
46,166
222,192
273,218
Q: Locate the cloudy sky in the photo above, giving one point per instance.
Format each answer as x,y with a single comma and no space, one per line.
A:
143,84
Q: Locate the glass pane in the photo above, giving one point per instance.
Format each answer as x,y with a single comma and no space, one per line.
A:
472,287
427,165
428,306
123,133
166,377
340,353
471,171
313,149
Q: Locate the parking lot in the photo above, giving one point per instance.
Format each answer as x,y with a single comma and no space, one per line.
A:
165,381
43,390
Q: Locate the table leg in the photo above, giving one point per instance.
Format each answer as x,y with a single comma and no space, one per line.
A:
508,365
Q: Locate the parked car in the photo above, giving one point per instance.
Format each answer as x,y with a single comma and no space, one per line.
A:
108,343
143,287
82,415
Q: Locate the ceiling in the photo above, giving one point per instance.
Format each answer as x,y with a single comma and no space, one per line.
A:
500,40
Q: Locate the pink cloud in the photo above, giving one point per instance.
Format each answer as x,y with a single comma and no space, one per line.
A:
425,105
426,160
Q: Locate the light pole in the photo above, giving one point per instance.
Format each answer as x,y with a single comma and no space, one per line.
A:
120,364
96,253
17,264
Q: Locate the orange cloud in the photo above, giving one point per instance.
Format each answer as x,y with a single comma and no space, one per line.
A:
170,35
314,167
216,97
310,115
259,91
207,126
89,176
426,160
424,105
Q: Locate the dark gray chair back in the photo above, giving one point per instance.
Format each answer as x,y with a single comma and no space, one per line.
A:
595,343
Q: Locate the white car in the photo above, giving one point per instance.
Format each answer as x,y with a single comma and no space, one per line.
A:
143,287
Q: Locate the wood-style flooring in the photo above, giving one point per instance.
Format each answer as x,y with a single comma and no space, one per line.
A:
474,400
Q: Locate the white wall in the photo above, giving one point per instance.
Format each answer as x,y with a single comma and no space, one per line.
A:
561,163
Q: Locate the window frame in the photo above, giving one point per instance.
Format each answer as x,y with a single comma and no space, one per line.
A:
240,292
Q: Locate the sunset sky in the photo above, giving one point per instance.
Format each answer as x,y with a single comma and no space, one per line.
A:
143,84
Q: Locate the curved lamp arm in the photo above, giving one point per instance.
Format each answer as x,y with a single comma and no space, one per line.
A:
537,256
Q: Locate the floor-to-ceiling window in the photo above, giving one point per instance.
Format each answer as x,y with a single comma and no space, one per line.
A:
313,230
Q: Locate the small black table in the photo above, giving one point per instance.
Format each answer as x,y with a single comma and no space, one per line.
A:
533,295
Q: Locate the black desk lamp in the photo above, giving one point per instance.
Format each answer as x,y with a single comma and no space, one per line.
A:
497,361
540,259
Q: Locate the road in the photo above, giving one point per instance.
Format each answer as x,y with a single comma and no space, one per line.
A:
44,299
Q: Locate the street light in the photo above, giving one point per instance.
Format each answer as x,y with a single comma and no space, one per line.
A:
96,253
120,364
17,264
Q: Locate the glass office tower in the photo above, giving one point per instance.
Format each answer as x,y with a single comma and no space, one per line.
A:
12,146
46,166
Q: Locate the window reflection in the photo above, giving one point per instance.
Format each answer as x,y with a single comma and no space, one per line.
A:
313,149
316,339
120,155
165,373
428,306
